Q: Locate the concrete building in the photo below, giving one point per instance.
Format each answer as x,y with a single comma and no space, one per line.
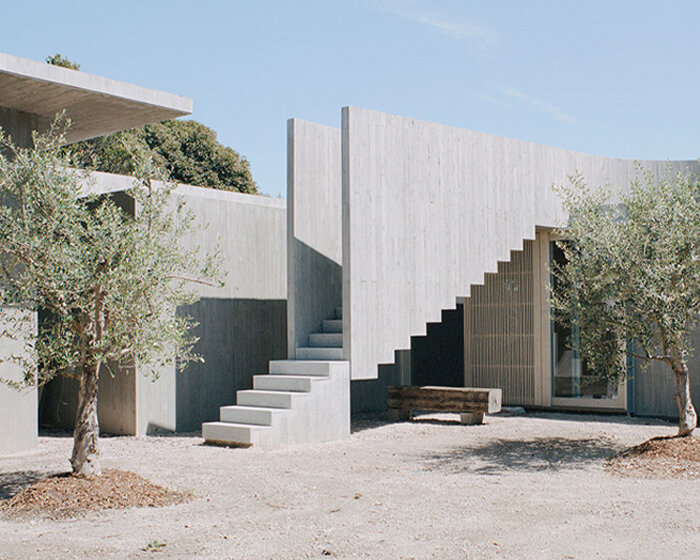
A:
418,253
31,94
407,253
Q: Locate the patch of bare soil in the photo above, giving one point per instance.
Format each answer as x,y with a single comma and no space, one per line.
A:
659,457
67,495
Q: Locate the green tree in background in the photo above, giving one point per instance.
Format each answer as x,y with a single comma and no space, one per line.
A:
631,281
59,60
187,151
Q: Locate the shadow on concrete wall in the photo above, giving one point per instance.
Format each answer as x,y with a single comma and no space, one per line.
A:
237,337
438,357
434,359
318,290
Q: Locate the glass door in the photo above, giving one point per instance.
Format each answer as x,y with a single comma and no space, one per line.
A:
573,383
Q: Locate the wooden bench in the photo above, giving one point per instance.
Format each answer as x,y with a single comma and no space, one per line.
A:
471,403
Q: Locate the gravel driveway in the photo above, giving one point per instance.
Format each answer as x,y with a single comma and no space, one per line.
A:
516,487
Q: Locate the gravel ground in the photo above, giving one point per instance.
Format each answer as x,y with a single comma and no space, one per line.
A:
517,487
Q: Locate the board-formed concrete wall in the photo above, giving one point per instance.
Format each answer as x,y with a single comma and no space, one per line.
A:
314,228
653,387
18,418
241,325
428,209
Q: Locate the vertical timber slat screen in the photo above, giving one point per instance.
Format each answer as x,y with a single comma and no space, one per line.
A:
500,325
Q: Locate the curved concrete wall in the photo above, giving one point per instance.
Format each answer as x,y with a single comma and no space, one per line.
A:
428,209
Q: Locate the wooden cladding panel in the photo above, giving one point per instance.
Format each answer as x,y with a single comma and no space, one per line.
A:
499,330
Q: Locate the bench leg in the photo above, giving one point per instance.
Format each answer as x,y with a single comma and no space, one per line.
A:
399,414
471,418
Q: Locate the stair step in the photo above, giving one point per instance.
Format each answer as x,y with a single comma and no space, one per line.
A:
338,312
271,399
274,382
229,433
333,326
328,354
298,367
255,415
327,340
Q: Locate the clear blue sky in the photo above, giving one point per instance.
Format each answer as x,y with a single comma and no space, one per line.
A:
615,78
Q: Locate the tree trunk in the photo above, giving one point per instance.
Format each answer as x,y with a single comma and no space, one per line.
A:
687,417
85,458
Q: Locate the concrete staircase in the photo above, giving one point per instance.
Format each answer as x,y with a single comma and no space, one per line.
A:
327,344
306,400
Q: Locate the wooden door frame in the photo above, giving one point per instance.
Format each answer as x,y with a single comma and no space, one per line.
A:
545,353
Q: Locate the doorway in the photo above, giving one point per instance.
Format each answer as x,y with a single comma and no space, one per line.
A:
573,383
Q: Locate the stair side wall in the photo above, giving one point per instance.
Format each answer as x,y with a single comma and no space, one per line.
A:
319,416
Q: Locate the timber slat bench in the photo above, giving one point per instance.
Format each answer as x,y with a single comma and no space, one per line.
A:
471,403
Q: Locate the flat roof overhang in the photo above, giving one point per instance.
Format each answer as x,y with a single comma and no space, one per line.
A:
95,105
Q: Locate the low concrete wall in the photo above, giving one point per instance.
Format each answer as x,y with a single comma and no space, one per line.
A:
241,325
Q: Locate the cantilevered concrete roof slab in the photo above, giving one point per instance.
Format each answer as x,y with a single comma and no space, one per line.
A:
95,105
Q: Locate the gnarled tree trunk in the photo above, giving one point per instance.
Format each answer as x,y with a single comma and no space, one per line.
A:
687,417
85,458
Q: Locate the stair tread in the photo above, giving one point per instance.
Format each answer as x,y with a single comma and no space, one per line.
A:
323,354
251,407
326,340
332,326
311,363
317,348
271,391
290,376
237,425
315,368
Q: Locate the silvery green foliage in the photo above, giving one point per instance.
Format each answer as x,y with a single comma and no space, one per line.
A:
105,282
632,281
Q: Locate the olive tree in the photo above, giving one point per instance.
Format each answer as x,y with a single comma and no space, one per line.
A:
631,281
107,282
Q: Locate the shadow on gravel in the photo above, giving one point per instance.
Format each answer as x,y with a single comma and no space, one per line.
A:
12,483
602,418
442,422
368,421
539,454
